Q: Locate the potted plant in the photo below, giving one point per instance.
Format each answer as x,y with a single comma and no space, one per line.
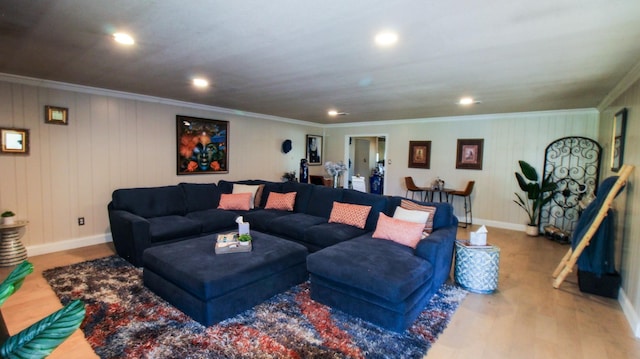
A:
244,239
538,194
8,217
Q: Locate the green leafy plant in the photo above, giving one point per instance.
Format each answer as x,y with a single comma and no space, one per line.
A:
41,338
537,194
244,237
7,214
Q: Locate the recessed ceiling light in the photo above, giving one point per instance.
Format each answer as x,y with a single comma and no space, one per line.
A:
123,38
465,101
199,82
386,38
337,113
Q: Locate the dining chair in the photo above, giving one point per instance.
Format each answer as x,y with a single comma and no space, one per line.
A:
411,187
466,196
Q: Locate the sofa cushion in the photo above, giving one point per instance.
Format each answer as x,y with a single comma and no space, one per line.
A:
327,234
399,231
167,228
201,196
235,201
350,214
281,201
213,220
321,201
379,267
442,218
260,219
303,197
294,225
268,188
378,204
150,202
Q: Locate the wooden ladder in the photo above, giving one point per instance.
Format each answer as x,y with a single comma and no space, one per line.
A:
569,260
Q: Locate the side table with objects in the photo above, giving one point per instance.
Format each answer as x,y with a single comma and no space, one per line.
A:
477,267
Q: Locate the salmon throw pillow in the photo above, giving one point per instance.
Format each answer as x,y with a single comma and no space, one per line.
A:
281,201
235,201
399,231
351,214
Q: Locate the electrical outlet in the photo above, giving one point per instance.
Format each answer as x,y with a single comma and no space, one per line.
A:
81,221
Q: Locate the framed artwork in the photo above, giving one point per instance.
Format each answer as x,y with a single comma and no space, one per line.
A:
469,154
202,145
56,115
314,150
420,154
15,141
617,142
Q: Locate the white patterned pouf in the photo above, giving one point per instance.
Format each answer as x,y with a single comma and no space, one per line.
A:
477,268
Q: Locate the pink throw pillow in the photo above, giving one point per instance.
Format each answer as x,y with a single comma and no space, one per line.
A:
399,231
281,201
351,214
235,201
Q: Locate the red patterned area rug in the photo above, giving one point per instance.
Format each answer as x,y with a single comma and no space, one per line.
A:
126,320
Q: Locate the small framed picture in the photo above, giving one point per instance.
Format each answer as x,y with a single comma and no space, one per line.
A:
56,115
617,142
469,154
420,154
15,141
314,150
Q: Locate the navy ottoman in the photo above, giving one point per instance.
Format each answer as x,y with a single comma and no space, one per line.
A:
211,287
377,280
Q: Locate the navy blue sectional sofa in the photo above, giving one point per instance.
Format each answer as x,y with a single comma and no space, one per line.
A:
379,280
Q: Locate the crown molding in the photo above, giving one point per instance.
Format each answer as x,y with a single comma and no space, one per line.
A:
629,79
487,117
31,81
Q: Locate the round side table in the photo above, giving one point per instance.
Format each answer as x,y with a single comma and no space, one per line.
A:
12,251
477,267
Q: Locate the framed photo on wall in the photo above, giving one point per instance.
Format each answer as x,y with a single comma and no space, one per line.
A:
202,146
469,154
420,154
314,150
56,115
617,141
15,141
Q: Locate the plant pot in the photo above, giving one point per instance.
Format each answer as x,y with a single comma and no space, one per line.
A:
9,220
532,230
245,243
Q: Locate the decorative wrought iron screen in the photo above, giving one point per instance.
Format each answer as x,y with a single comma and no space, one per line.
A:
574,163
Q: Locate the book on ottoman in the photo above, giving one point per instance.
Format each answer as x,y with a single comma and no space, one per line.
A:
229,243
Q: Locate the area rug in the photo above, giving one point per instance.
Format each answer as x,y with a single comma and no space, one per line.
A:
126,320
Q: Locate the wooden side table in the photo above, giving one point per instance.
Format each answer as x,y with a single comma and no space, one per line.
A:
477,267
12,251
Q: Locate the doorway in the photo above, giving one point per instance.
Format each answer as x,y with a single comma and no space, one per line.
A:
366,157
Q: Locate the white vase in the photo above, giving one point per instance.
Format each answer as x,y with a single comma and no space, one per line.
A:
532,230
9,220
246,243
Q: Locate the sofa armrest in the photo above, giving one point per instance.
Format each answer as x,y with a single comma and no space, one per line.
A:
130,235
437,248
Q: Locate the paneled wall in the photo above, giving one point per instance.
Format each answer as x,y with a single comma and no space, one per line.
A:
507,139
627,205
115,141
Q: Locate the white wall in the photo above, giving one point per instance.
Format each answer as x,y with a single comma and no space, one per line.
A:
626,205
507,139
115,140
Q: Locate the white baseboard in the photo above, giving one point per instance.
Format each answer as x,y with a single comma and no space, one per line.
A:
629,312
496,224
68,244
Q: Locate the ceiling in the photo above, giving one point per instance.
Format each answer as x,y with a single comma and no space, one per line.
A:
298,59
